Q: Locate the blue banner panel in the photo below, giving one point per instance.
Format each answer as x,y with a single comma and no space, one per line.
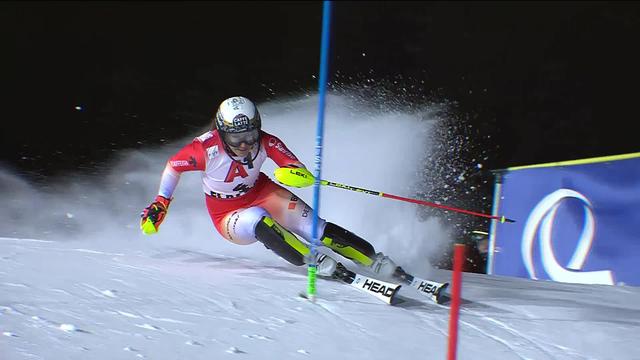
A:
576,223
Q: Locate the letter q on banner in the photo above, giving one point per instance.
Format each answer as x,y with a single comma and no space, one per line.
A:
540,222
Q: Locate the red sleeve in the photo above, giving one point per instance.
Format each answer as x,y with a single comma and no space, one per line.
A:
189,158
277,150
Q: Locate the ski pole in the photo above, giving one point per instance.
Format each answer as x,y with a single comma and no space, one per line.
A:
322,91
302,178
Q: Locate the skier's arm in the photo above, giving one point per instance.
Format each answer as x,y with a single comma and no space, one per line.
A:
189,158
279,152
168,182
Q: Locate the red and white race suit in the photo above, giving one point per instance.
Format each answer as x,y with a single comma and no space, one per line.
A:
237,193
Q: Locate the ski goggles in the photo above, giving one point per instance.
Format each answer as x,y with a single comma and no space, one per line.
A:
236,139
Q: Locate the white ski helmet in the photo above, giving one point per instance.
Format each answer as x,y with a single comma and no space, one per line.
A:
237,115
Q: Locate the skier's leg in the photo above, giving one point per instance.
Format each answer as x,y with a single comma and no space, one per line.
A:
357,249
348,244
284,243
281,241
245,226
294,214
288,210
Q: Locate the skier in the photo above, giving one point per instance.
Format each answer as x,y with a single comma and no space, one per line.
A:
245,205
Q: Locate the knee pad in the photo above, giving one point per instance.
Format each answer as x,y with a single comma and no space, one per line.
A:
348,244
241,224
281,241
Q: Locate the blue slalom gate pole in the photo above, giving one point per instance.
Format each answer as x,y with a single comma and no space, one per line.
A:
322,92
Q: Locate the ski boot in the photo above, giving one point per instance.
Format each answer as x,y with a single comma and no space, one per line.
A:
326,265
386,268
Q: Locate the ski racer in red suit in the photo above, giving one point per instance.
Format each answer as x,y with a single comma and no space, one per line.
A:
245,205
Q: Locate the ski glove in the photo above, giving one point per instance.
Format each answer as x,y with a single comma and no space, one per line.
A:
153,215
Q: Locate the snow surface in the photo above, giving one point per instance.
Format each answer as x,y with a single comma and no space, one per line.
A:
79,281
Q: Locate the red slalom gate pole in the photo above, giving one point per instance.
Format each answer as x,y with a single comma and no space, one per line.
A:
458,261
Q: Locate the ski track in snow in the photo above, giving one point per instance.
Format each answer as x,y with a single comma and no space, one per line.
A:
95,303
509,337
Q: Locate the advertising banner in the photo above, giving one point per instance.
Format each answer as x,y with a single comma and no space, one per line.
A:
576,222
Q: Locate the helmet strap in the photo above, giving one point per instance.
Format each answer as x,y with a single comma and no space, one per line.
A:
248,160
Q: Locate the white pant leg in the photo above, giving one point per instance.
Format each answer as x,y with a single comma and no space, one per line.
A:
239,226
300,221
292,213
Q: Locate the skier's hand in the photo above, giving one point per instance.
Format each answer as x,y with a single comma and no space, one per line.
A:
153,215
296,177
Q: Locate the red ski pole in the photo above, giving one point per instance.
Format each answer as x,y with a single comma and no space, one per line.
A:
502,219
300,177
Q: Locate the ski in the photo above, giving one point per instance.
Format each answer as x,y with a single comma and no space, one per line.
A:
432,289
381,290
386,291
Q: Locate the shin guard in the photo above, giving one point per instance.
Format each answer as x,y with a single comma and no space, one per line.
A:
281,241
348,244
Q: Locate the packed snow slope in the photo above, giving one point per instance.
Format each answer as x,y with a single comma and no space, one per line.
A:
79,281
74,300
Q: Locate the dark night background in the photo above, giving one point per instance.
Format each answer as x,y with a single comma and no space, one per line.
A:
537,82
